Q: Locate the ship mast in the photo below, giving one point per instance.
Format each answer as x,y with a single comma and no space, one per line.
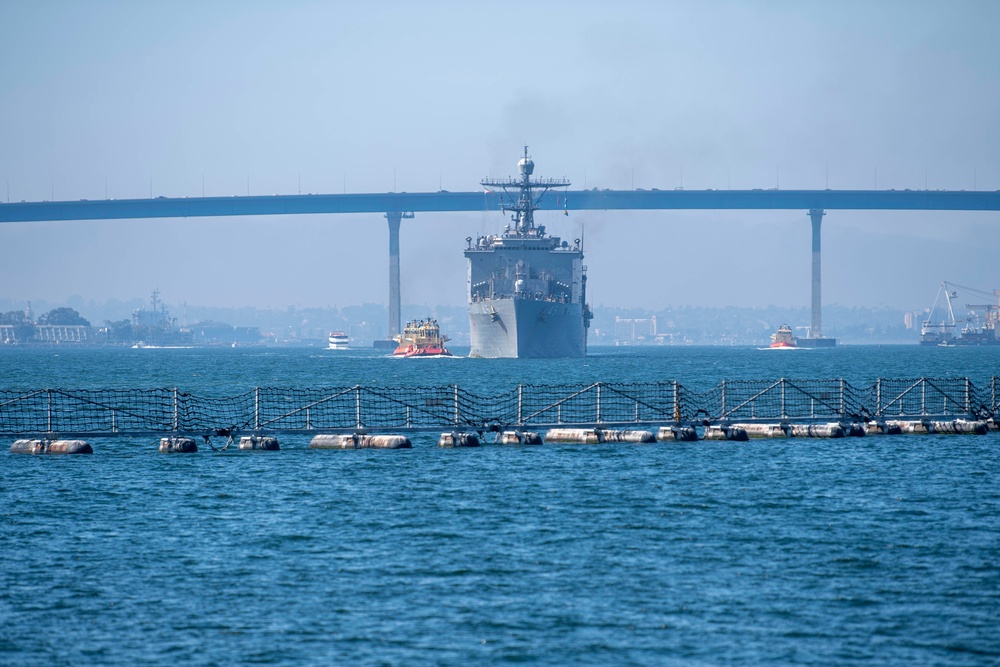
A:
519,198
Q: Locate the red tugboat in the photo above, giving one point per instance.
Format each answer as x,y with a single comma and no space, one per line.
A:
783,337
421,338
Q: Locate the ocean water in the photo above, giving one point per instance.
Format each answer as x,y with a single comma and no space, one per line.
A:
874,550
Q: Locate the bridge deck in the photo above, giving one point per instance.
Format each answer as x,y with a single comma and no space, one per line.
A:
577,200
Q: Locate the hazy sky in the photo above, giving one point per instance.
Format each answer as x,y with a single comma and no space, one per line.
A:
124,98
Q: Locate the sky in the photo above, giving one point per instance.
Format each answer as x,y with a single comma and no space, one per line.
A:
128,100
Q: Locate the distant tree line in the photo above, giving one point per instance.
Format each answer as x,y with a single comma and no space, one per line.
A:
24,328
56,316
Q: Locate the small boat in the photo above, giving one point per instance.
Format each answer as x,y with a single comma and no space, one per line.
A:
338,340
421,338
783,337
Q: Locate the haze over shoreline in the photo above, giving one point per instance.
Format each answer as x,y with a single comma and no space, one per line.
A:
611,325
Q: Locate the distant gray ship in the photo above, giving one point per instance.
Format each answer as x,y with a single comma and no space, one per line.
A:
527,291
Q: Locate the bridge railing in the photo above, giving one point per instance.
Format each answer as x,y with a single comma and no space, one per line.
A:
346,409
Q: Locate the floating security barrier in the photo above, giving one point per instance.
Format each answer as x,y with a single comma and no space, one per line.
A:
175,445
735,433
677,433
763,430
51,447
264,442
816,431
520,438
458,440
359,441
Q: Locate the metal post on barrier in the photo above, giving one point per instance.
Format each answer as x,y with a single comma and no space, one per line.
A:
357,406
256,408
784,413
520,403
677,405
598,402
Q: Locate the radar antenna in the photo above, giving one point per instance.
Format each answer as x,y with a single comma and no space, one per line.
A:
518,196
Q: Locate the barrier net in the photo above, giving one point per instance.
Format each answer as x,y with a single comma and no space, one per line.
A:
109,411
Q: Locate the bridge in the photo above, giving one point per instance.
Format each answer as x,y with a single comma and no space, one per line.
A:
397,205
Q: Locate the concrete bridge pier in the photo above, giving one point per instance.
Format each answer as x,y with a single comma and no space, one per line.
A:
394,218
816,338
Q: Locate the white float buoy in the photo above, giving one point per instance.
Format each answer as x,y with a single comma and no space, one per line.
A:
520,438
359,441
960,426
882,428
633,436
51,447
734,433
455,439
677,433
816,431
176,445
261,442
763,430
855,431
909,427
582,436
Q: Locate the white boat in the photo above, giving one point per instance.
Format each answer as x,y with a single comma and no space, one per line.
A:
338,340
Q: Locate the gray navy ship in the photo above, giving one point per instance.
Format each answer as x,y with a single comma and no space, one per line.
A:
527,291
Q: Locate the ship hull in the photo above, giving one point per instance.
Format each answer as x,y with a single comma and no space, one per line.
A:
526,328
428,351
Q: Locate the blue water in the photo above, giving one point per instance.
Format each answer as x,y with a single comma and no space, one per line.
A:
875,550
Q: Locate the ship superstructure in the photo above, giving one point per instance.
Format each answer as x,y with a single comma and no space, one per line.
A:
421,338
527,291
981,320
939,327
338,340
783,338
